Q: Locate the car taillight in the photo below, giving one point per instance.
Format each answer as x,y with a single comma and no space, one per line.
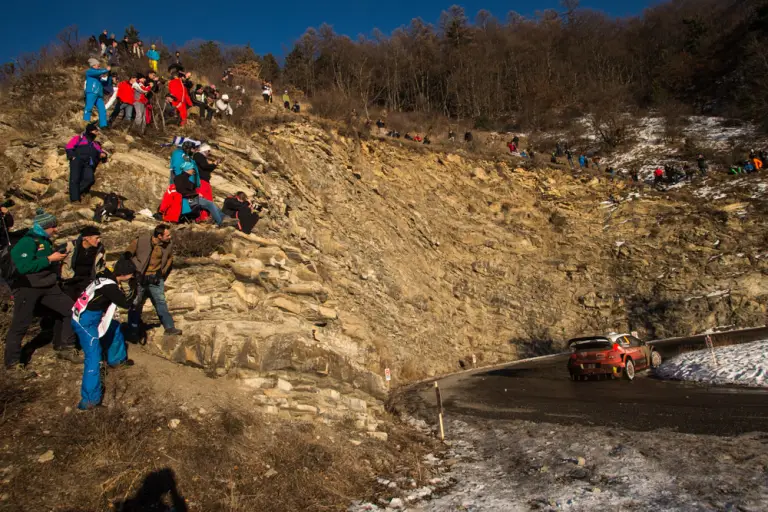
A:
615,347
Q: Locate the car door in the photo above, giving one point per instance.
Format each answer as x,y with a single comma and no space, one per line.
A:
640,352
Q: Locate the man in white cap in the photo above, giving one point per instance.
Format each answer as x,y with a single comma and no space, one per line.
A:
223,106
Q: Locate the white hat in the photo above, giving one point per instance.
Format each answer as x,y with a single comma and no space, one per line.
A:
225,97
204,148
93,62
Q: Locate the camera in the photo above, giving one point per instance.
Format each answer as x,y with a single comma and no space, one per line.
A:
62,249
8,203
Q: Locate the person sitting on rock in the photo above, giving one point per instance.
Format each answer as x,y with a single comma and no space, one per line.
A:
84,155
187,184
222,105
94,323
238,207
205,168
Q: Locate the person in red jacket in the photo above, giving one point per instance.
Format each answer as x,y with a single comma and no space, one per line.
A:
141,88
658,176
125,99
181,99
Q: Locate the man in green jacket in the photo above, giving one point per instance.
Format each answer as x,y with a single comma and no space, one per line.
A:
36,283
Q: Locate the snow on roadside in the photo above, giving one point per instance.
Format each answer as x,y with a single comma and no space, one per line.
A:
744,365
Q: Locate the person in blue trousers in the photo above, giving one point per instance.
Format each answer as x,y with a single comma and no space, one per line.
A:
94,92
94,323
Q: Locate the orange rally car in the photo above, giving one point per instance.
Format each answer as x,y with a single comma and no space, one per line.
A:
614,355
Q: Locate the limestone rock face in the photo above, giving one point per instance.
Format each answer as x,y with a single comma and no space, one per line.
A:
371,254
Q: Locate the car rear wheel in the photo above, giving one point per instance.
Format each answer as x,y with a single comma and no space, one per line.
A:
629,370
655,359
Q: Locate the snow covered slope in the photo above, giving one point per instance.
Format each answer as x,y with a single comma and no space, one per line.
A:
744,365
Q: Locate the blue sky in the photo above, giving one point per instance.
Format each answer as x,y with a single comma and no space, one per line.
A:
268,26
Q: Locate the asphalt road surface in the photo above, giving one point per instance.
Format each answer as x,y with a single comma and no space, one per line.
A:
541,391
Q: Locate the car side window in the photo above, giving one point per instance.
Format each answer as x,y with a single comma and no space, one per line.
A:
635,342
623,341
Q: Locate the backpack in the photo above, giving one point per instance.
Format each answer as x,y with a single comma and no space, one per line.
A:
112,207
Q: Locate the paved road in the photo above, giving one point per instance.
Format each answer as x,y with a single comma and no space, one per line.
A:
541,391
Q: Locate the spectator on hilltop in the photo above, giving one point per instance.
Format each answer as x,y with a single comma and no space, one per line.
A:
223,107
103,42
84,155
94,91
286,100
140,101
154,58
125,99
181,100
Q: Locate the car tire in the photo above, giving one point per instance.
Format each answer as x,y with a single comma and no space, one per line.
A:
629,370
655,359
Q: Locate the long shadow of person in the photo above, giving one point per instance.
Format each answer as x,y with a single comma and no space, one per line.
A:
151,495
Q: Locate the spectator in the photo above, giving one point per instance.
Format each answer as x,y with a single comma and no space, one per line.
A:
658,176
94,323
702,163
138,49
126,47
582,161
187,184
125,99
153,257
296,107
113,55
266,92
596,161
84,155
181,100
223,106
569,156
141,89
113,98
176,66
154,58
6,223
205,168
286,100
94,92
103,42
85,259
200,100
37,267
238,207
468,137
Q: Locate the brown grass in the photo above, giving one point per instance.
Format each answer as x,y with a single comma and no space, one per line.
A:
199,243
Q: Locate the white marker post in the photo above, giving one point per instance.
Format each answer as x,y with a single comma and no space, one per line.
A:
387,376
711,347
440,411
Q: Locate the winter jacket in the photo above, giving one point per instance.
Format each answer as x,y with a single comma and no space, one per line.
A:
140,93
171,205
185,186
125,92
223,107
582,161
92,83
108,294
153,55
68,264
80,147
177,90
204,168
103,38
30,255
141,250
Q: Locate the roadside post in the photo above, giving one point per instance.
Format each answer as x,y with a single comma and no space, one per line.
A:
711,347
387,376
440,411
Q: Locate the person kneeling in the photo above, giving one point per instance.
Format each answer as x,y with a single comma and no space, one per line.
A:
238,207
93,321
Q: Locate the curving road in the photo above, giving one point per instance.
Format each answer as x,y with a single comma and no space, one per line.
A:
541,391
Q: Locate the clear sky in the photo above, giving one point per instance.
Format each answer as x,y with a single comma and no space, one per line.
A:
27,25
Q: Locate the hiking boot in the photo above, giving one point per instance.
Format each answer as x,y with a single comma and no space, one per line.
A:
19,371
122,364
70,354
173,332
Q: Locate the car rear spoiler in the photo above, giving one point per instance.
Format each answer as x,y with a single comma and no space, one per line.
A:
576,341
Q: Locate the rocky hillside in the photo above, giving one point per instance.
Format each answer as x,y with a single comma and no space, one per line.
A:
380,254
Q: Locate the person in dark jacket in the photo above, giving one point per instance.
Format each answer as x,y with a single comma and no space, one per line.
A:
84,261
185,185
238,207
93,321
37,265
84,155
103,42
6,223
153,256
205,166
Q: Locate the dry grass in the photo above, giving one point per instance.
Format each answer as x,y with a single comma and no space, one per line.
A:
199,243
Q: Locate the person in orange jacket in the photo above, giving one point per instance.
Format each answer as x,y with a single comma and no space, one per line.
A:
182,101
758,163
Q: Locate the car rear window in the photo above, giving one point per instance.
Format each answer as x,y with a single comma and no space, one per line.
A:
592,345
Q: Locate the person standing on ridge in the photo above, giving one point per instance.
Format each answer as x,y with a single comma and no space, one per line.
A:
182,101
94,92
84,155
154,58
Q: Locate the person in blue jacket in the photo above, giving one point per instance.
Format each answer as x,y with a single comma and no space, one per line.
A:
582,161
94,92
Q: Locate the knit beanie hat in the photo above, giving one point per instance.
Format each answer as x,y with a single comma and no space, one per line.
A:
44,220
124,267
93,62
90,231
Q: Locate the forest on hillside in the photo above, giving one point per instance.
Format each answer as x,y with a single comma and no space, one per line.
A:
689,56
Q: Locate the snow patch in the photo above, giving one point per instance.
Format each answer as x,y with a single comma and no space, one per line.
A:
743,365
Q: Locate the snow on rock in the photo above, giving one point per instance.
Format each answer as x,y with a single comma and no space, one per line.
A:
744,365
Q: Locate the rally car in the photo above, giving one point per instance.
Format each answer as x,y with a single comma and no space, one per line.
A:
614,355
